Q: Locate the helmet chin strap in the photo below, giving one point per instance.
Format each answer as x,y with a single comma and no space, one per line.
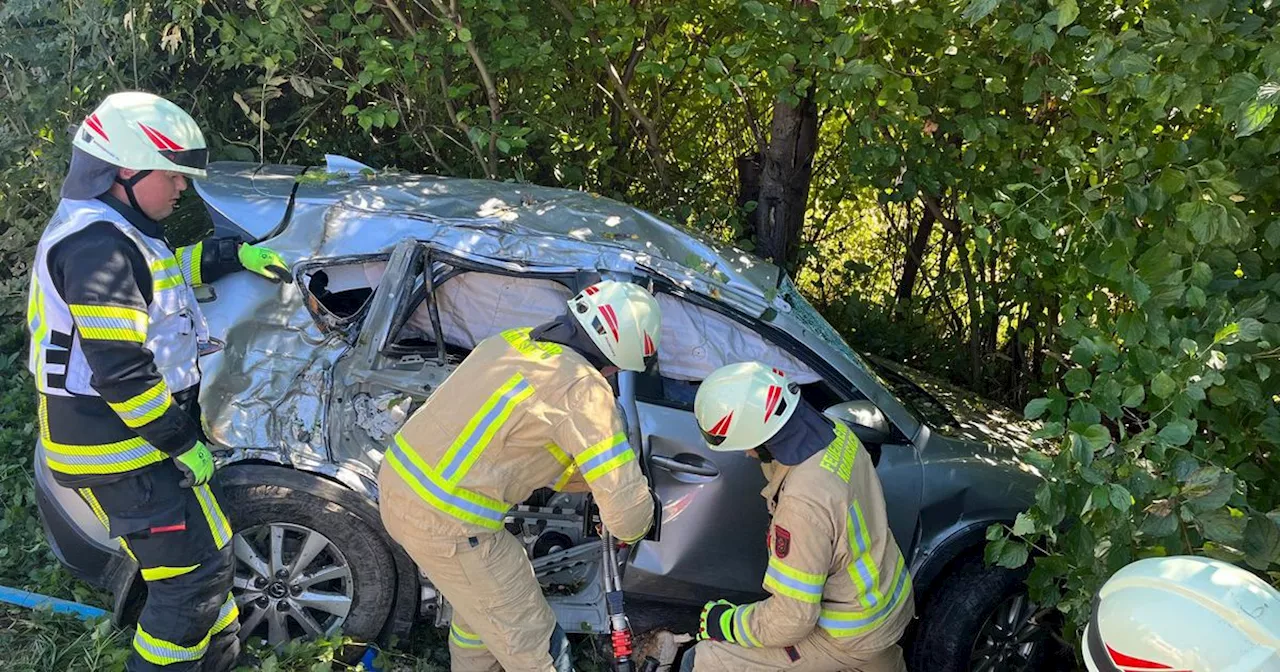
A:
128,187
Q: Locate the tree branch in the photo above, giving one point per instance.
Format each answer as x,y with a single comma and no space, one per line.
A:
642,122
491,91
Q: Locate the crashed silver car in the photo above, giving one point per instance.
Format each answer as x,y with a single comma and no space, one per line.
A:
398,276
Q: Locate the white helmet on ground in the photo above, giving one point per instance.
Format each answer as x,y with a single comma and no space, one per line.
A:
1184,613
143,132
623,320
740,406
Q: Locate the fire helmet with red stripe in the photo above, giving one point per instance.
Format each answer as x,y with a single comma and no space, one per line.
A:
740,406
1183,614
143,132
623,320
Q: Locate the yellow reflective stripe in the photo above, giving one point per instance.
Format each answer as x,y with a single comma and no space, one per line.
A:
143,408
840,623
105,458
605,456
793,583
862,568
189,259
166,274
841,452
39,325
463,638
450,498
162,573
213,515
110,323
92,500
482,427
519,339
566,462
742,626
228,614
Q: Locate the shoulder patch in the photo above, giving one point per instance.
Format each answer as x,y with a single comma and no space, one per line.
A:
781,542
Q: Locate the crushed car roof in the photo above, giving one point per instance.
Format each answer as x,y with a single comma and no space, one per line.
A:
347,208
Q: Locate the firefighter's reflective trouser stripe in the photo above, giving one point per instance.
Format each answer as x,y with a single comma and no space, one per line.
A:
812,654
181,540
500,619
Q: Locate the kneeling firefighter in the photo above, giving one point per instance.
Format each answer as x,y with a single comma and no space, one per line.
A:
840,590
526,409
115,336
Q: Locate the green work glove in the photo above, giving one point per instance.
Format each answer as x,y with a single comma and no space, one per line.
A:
716,622
196,465
265,262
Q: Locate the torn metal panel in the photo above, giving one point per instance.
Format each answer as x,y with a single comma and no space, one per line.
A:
382,416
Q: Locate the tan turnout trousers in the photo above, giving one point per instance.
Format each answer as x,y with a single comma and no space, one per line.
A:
840,590
515,416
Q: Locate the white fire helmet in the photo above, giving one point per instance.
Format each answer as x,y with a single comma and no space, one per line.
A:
740,406
1184,614
143,132
623,320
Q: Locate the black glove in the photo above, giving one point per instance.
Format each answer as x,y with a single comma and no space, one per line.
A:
716,622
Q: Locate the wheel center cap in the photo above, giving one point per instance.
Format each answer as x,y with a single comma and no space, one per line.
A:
277,590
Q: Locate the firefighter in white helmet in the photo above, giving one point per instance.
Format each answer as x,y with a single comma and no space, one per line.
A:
528,408
115,334
840,590
1184,613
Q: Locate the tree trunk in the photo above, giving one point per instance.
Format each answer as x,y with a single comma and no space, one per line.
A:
911,265
784,183
749,170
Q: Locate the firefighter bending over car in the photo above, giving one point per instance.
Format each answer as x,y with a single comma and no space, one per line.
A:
528,408
840,590
115,336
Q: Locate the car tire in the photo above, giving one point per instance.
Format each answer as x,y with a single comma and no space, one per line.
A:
293,510
969,597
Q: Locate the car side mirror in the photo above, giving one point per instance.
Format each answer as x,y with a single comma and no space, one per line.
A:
867,421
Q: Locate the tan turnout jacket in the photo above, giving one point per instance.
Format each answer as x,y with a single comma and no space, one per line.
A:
515,416
834,566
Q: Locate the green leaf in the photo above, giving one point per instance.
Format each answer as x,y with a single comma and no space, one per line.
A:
1134,395
979,9
1250,329
1261,542
1254,118
1217,497
392,118
1024,524
1176,434
1097,436
1264,371
1036,408
1078,380
363,6
1171,181
464,34
337,62
1121,500
1273,234
1163,386
1014,555
1068,10
1160,525
1222,526
1226,332
1195,298
349,110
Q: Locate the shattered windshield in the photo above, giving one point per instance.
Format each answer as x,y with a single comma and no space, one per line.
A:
808,316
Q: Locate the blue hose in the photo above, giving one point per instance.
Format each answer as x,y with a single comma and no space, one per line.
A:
30,600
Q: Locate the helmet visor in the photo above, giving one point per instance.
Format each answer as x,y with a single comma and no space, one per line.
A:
711,439
196,159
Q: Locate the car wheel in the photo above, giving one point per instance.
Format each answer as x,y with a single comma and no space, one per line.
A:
306,566
980,620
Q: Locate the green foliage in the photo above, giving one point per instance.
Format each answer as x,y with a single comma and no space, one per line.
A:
1071,205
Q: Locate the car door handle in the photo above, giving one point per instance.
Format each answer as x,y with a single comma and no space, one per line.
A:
686,463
